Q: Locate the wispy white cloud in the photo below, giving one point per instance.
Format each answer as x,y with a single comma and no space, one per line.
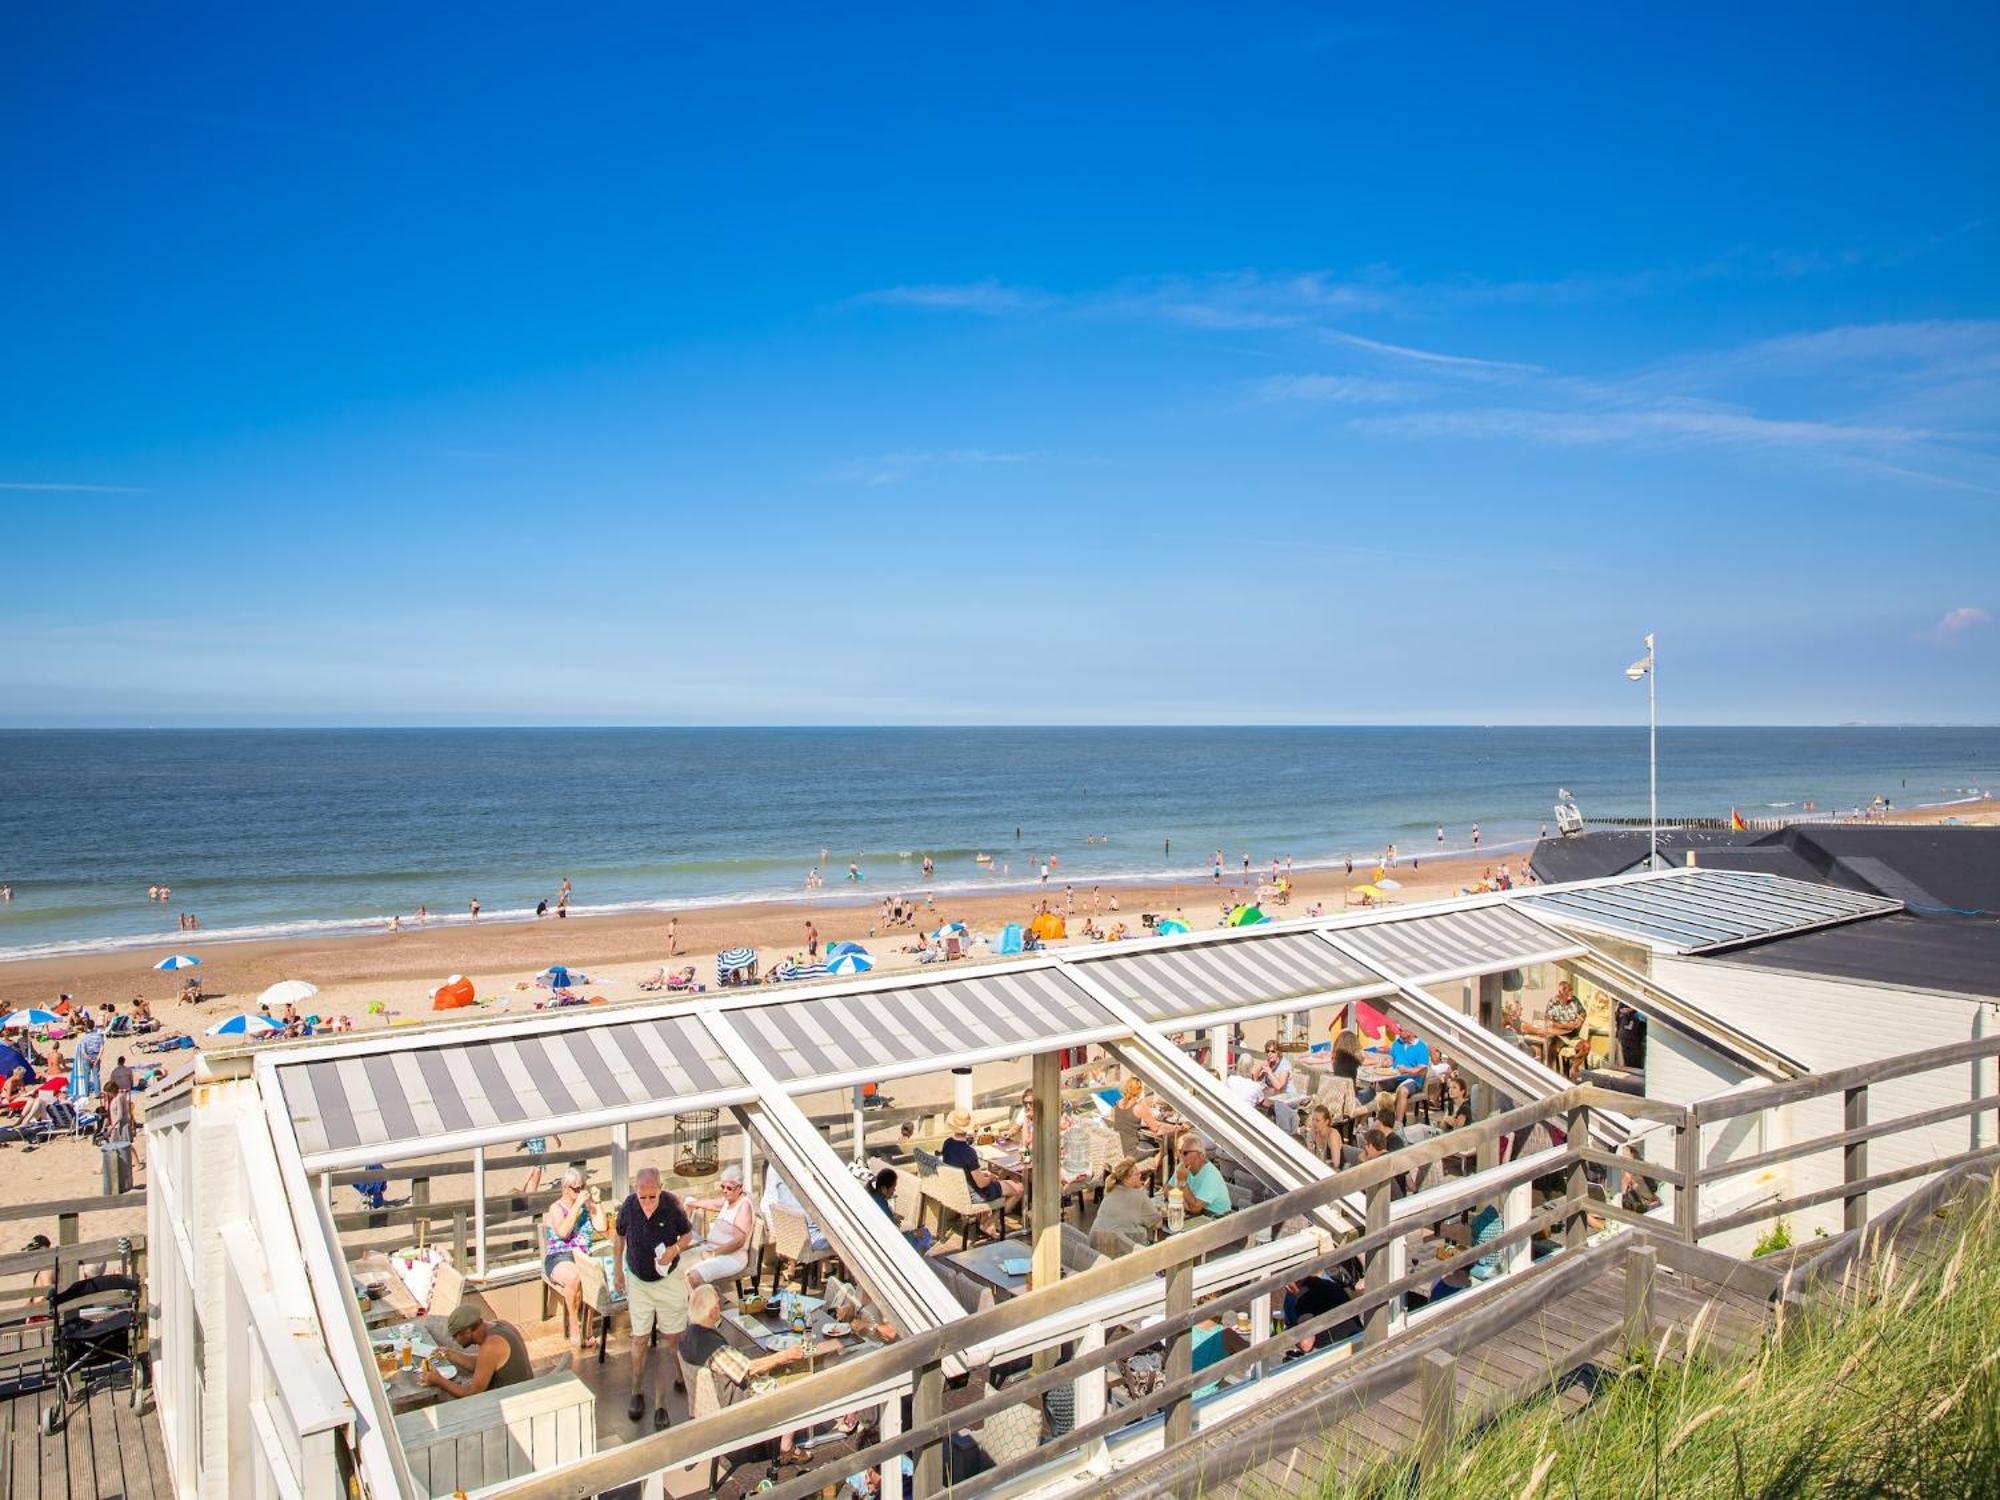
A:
1334,389
989,297
1661,427
1461,363
1956,624
72,489
895,468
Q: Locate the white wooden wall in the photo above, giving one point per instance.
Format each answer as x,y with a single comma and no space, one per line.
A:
1827,1024
480,1440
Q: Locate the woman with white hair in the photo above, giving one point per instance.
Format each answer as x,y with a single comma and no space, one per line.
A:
725,1250
569,1225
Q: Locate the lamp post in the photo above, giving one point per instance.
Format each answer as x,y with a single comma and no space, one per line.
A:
1644,667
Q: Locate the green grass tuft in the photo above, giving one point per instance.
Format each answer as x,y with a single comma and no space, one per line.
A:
1897,1393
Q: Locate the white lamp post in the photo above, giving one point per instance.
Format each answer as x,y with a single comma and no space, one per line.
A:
1644,667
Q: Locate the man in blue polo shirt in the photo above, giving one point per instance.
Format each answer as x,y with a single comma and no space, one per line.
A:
1410,1056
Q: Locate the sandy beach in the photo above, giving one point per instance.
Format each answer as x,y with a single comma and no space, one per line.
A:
381,978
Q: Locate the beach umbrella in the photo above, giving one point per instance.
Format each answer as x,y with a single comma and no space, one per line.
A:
179,961
31,1017
836,949
559,976
852,962
1170,925
1372,892
245,1024
731,959
948,929
286,992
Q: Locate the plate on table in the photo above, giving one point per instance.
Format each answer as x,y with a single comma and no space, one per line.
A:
836,1330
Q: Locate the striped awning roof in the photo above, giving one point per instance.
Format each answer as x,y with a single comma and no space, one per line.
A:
1228,974
1691,911
894,1031
390,1098
1455,944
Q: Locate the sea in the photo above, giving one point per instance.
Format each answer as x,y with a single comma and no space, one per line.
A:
273,833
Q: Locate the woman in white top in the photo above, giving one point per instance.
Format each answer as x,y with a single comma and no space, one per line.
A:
725,1249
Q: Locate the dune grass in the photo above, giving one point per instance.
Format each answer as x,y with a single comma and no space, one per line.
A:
1893,1390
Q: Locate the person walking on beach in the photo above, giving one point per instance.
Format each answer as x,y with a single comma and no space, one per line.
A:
475,908
673,936
423,916
1167,849
562,896
1475,835
1045,872
812,941
1440,835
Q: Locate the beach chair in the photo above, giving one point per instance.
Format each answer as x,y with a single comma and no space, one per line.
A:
657,980
950,1190
791,1243
953,948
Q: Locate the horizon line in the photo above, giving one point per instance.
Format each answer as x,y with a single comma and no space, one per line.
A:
1053,725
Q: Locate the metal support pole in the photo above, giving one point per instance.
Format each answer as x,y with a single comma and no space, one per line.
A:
961,1089
1652,754
860,1126
621,1164
1854,1160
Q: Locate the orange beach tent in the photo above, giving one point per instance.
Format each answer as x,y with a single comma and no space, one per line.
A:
454,994
1048,926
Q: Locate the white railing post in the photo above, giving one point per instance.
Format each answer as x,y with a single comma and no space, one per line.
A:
1515,1210
1092,1400
478,1212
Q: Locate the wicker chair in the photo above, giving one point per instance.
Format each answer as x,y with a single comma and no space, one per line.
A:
957,1206
791,1242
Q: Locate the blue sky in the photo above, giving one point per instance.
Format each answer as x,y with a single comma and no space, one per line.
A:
907,364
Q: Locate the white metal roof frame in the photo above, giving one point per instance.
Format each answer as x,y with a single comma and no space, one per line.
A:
1698,910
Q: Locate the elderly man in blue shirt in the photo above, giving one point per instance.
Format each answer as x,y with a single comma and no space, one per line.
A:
1410,1056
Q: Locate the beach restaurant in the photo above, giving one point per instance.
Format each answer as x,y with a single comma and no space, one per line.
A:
284,1319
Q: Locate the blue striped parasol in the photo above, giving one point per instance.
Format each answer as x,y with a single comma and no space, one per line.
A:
30,1017
243,1023
852,962
179,961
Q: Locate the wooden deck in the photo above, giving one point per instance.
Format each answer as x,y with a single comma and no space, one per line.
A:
104,1450
1259,1455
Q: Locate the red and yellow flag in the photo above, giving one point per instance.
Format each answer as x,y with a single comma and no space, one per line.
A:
1736,821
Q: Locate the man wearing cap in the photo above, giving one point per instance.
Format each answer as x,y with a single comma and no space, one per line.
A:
647,1238
494,1353
961,1153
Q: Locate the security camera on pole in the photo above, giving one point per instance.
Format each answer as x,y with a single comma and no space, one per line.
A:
1644,667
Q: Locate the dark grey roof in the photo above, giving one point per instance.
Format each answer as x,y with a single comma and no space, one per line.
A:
1928,867
1598,854
1946,867
1952,955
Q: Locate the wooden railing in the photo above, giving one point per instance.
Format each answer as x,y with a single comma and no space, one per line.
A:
1852,1085
1090,1348
69,1248
918,1362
